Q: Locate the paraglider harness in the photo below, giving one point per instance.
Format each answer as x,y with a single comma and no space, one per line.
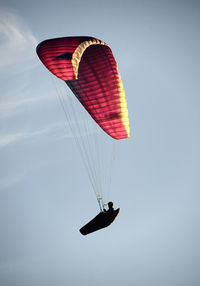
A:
102,220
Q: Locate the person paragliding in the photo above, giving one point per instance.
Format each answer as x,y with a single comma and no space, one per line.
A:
110,207
88,67
102,220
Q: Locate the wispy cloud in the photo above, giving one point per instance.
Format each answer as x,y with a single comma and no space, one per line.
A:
18,60
13,100
59,130
7,139
10,181
21,136
17,44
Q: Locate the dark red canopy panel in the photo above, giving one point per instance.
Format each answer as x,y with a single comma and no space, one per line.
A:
90,70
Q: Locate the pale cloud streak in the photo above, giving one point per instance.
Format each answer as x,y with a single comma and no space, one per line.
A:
17,44
14,100
18,61
7,139
10,181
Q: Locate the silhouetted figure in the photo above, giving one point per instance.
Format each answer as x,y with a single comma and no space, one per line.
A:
110,206
103,219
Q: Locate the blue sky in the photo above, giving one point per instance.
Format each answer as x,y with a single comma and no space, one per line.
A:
45,194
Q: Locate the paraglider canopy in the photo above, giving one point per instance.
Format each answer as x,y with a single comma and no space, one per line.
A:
89,68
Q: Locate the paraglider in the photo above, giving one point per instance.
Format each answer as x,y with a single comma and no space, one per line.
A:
102,220
88,67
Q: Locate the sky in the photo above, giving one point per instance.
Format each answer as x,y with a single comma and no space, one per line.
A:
45,194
